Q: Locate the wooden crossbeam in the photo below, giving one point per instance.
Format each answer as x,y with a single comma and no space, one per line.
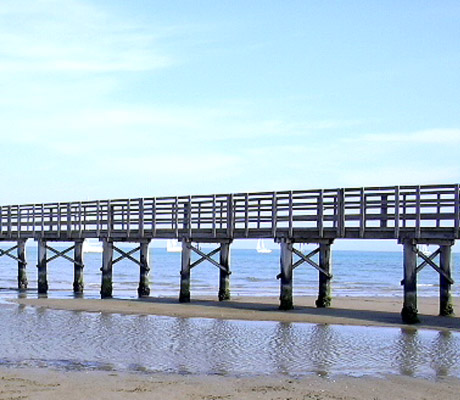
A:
199,261
432,256
207,257
62,254
307,259
126,255
8,251
434,266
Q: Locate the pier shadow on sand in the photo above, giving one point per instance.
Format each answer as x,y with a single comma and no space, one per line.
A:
265,310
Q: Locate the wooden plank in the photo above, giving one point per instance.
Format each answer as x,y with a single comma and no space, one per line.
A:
107,267
291,211
184,295
457,211
409,312
417,212
274,213
246,214
396,212
78,280
362,213
144,269
224,272
22,264
230,217
214,215
286,301
320,214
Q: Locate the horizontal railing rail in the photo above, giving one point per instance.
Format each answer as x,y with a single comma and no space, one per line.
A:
326,212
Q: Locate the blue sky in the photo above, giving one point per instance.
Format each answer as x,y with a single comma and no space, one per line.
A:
104,99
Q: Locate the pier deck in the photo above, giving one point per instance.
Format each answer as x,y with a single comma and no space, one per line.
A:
413,215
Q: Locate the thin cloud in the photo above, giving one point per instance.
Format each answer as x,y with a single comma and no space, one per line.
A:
88,41
431,136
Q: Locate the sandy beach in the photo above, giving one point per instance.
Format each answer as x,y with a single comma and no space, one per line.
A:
49,385
45,383
379,311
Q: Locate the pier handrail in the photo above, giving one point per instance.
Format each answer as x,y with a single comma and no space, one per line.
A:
381,212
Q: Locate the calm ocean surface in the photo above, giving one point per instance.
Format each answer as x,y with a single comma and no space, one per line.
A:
79,340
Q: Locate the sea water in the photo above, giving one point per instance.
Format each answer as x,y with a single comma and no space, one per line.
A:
356,273
37,337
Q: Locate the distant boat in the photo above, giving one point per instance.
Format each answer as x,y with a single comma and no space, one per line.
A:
173,246
423,248
261,247
91,246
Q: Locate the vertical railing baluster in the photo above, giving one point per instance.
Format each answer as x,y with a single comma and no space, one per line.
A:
320,214
141,218
80,225
457,210
274,213
128,218
417,212
98,218
154,217
396,212
109,219
42,217
9,222
214,215
176,217
362,212
246,215
69,220
230,216
291,215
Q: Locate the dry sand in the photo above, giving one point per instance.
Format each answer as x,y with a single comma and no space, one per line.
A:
57,385
38,383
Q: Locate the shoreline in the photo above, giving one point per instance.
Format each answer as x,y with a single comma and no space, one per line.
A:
361,311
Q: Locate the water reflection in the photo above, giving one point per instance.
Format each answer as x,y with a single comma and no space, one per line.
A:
78,340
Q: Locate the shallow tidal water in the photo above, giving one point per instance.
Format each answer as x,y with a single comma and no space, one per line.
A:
37,337
69,340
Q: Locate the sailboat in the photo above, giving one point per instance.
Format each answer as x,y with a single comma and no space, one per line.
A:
173,246
423,248
92,246
261,247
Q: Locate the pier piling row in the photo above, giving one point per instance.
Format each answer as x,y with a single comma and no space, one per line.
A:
413,215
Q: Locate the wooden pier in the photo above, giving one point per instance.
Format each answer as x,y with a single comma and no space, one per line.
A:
413,215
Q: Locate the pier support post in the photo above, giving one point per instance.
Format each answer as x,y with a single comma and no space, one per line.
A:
78,283
107,264
184,295
409,311
144,270
445,300
224,277
42,280
285,275
324,292
22,263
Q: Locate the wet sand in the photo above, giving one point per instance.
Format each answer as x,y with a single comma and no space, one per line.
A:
19,383
379,311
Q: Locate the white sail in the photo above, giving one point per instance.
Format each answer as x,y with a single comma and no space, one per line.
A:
91,246
173,246
423,248
261,247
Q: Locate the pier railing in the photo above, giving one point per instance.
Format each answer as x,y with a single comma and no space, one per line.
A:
372,212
